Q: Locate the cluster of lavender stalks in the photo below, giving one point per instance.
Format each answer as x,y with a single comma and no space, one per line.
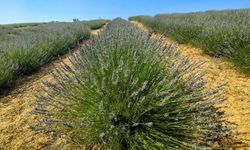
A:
128,90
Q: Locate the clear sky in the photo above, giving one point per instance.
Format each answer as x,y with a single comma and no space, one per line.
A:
16,11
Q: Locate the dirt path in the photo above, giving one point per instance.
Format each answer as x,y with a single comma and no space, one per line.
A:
237,105
16,108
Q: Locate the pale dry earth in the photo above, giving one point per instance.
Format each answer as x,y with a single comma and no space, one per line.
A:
237,91
16,117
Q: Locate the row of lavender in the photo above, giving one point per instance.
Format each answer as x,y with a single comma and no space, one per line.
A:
26,47
219,33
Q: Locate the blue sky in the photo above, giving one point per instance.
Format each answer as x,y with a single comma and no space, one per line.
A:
16,11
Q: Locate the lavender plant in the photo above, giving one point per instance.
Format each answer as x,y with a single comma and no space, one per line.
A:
96,24
27,51
127,90
219,33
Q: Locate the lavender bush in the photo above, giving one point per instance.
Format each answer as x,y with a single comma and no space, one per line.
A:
219,33
127,90
27,51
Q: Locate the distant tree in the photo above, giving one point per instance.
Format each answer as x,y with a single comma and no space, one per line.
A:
75,20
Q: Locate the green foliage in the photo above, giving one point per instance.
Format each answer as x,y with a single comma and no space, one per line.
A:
26,50
126,90
218,33
10,31
96,24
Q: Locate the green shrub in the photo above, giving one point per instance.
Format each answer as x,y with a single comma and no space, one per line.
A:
7,72
125,90
96,24
26,52
218,33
